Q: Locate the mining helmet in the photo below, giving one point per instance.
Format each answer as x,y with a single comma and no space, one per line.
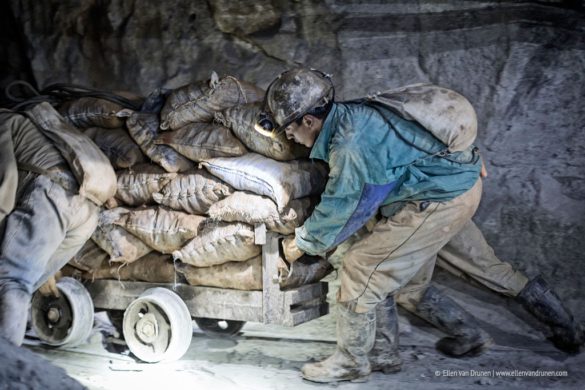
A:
292,95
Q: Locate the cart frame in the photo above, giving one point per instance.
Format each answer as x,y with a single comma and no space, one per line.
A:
272,305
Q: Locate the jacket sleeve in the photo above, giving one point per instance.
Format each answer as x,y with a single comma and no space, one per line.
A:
350,199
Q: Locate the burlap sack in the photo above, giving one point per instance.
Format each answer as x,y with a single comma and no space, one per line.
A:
449,116
237,275
117,145
198,102
247,275
280,181
162,229
143,128
136,185
241,120
117,242
153,267
201,141
89,112
219,243
252,209
193,192
89,165
89,257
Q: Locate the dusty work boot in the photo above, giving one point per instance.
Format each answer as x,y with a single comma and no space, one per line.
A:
385,356
355,338
465,335
14,304
538,298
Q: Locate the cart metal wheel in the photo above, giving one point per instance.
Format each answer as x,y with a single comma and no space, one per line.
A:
157,326
219,327
64,321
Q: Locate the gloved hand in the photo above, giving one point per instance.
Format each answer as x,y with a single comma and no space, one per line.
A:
290,249
50,286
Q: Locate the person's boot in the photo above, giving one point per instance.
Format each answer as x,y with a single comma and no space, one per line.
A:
465,335
538,298
14,304
385,356
355,338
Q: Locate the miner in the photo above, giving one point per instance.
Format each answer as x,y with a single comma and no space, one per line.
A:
422,197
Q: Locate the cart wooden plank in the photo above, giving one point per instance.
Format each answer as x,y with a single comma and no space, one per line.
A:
206,302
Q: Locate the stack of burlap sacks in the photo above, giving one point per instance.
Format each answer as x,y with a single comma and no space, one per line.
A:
194,178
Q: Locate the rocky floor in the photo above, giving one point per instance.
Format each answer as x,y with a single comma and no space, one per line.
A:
269,357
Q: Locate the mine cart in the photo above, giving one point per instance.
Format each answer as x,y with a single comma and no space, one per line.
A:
156,319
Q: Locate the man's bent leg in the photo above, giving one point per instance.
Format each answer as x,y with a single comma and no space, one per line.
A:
33,231
465,336
387,258
469,255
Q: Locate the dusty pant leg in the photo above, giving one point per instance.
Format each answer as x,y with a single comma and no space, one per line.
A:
469,255
82,219
34,231
8,171
14,307
410,295
390,256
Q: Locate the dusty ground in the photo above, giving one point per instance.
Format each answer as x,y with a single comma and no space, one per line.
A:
269,357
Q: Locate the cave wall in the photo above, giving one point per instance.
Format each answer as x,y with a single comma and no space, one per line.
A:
522,65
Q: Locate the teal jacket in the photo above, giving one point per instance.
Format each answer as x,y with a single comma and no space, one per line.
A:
376,158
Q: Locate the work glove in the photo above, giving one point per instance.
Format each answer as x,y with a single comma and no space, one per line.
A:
50,286
290,249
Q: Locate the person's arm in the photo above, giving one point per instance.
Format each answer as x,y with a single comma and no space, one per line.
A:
350,199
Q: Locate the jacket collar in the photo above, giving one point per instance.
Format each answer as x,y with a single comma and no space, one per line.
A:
320,149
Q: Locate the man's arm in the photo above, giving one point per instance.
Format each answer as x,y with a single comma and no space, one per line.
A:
348,202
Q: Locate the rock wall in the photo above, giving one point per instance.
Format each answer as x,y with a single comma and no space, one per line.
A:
520,63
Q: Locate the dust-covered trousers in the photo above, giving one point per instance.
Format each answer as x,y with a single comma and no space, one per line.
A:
8,174
46,228
399,254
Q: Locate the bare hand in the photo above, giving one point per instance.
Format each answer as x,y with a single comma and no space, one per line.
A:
50,286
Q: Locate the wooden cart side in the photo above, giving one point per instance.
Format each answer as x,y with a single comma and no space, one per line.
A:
269,306
286,307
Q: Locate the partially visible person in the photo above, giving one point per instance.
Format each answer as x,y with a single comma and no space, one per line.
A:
44,220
